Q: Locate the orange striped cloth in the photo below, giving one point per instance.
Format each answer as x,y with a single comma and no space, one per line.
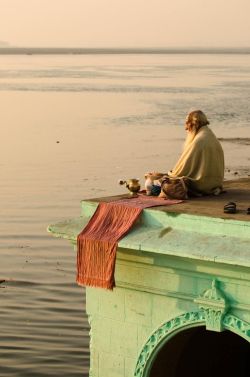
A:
97,243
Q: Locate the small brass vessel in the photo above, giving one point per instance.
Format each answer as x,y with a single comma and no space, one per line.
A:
133,185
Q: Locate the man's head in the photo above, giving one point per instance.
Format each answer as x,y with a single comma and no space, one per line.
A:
195,120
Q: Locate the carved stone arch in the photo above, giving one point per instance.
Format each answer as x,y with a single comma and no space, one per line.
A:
171,328
162,335
237,326
213,314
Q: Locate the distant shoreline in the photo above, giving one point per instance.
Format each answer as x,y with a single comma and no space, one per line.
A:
122,51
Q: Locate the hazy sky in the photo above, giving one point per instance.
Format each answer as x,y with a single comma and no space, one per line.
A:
125,23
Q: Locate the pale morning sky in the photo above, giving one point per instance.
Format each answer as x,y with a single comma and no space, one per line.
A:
125,23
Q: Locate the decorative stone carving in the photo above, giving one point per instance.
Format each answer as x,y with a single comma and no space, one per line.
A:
236,325
213,313
215,305
160,336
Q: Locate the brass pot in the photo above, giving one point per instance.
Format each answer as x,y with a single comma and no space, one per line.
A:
133,185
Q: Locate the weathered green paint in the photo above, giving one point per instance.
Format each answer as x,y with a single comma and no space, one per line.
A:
173,271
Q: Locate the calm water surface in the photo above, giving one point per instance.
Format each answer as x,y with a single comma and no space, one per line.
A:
71,126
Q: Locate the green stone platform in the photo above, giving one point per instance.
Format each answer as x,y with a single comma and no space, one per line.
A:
182,270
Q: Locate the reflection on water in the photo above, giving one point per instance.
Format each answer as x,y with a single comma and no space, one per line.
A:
71,127
43,329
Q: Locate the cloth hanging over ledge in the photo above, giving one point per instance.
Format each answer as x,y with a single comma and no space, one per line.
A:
97,243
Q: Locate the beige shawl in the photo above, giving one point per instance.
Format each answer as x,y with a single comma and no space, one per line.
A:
202,162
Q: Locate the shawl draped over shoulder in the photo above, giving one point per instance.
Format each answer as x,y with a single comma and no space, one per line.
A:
202,162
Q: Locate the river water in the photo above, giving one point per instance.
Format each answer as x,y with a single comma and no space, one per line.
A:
71,127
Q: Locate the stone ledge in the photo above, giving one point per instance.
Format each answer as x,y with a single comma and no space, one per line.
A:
194,229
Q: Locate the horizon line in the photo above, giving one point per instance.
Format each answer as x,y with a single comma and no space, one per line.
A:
122,50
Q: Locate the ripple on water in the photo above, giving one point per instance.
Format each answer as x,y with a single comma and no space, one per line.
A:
44,331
